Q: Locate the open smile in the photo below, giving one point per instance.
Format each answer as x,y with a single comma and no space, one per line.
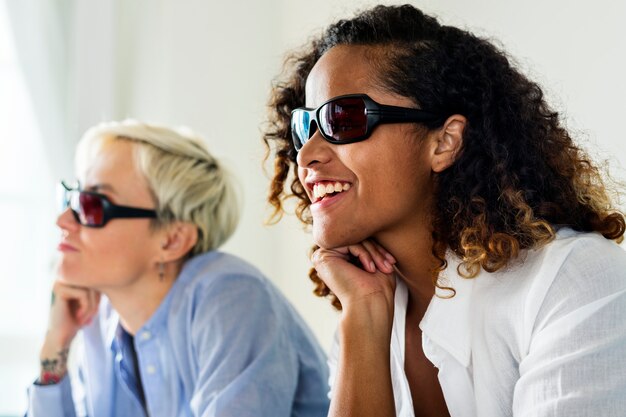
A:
328,189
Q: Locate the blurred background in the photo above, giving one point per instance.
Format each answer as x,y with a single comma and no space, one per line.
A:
66,65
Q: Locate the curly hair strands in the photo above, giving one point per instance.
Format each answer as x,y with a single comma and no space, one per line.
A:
519,175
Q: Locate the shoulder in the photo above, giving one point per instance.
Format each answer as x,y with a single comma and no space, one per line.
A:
571,271
590,268
221,275
578,263
227,302
576,260
219,289
211,266
592,254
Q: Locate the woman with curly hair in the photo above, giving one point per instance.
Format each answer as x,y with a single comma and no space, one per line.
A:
468,241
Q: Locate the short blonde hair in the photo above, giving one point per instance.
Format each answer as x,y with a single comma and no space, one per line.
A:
188,184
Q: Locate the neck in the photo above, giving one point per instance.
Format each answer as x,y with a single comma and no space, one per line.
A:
412,247
136,303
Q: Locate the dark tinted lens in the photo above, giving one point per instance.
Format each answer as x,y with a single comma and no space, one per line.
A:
90,208
343,119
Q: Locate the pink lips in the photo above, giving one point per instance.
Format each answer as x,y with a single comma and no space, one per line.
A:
64,247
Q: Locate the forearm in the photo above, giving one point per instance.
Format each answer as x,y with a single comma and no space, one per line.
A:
363,383
51,395
71,308
53,362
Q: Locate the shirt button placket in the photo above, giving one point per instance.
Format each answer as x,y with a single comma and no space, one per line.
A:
152,384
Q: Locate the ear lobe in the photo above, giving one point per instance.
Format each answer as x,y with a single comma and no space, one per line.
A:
181,237
449,142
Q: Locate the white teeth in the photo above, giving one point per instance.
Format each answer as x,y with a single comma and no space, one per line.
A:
320,190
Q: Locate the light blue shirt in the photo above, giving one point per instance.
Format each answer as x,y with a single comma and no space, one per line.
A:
224,342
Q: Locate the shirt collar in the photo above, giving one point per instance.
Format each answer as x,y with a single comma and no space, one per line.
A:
111,326
447,321
153,325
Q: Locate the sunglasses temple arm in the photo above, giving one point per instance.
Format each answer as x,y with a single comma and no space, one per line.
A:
131,212
393,114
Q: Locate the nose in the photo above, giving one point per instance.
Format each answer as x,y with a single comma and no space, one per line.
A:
315,150
67,222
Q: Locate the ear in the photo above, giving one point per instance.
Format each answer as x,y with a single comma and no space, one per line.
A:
177,240
449,142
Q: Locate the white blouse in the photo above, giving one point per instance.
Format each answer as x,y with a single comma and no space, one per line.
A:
544,337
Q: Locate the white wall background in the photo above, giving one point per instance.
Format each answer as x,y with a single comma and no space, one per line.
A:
208,65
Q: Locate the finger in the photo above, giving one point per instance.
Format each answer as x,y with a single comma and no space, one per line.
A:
390,258
326,260
66,293
321,254
76,299
377,256
363,255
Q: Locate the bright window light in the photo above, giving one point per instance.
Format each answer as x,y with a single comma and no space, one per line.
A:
28,233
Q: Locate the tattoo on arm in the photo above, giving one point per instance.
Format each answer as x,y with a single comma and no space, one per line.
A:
53,369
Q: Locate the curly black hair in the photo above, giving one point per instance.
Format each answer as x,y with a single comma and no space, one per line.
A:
519,175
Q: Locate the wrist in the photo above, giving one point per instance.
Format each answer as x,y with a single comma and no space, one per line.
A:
366,324
372,310
48,378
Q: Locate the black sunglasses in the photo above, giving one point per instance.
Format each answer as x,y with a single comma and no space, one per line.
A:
351,118
94,209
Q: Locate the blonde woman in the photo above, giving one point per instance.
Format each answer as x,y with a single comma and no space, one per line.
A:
170,326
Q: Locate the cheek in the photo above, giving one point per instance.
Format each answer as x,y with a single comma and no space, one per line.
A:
397,179
123,252
129,243
411,166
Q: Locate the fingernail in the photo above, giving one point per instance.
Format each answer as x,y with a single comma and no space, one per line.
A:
388,266
372,266
390,258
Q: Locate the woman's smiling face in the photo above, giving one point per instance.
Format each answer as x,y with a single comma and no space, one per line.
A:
368,189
